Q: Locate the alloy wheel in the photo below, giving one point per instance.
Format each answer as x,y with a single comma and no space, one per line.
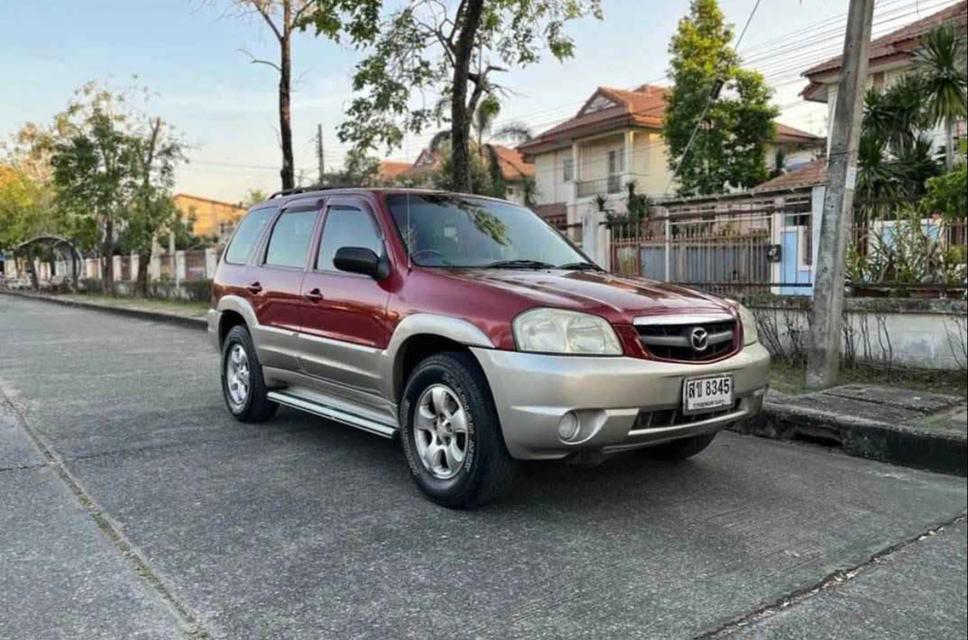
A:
440,431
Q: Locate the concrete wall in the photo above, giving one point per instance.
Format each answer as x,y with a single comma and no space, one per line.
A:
908,332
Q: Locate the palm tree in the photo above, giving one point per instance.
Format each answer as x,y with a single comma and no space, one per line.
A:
482,123
941,63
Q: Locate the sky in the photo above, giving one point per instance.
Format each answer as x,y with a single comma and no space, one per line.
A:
189,53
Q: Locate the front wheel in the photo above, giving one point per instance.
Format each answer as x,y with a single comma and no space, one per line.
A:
451,434
243,387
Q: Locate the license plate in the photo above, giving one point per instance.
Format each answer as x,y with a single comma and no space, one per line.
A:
700,395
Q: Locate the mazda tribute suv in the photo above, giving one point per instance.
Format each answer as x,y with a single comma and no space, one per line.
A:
474,332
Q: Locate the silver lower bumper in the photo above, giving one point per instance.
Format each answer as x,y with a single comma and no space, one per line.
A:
532,393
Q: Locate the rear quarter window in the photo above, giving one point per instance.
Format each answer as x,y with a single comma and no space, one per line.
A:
248,233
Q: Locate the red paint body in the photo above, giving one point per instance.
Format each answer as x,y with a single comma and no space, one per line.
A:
365,311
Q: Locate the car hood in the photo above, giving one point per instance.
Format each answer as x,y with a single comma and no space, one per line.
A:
617,297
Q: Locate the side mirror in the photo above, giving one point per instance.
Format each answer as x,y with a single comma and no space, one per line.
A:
360,260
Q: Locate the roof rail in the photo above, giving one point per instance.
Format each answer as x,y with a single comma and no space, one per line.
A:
314,187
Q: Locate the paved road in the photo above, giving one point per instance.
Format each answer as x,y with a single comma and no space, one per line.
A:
148,513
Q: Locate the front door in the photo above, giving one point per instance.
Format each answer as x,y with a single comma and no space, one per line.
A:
277,298
344,314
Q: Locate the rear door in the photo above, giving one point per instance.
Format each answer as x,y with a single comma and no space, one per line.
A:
276,294
344,318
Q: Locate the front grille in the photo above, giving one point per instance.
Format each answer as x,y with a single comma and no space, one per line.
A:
675,417
677,342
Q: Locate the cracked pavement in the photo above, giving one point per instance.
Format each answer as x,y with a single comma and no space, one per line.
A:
133,506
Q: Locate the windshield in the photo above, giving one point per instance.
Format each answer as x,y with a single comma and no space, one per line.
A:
444,230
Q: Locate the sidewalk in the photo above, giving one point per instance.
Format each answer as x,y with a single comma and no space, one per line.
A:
901,426
173,312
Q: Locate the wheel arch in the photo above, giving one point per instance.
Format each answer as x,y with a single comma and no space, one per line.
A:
234,311
421,335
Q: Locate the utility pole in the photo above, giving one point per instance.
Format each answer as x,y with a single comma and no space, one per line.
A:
319,154
826,319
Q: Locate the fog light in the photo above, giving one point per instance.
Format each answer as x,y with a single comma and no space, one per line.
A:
568,427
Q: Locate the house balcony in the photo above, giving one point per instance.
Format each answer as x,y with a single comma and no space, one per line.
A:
601,186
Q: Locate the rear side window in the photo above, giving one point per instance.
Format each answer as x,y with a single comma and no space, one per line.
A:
289,242
347,227
247,235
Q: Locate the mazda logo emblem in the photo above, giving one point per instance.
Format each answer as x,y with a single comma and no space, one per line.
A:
699,339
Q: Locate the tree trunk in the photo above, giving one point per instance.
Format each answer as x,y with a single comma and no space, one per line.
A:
285,111
949,143
460,121
107,253
144,259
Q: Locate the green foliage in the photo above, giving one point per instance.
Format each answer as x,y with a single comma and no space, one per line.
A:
941,63
254,197
428,46
482,176
905,252
359,170
636,211
26,207
947,195
729,147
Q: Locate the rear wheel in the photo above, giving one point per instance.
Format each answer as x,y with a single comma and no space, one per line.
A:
451,434
679,449
243,387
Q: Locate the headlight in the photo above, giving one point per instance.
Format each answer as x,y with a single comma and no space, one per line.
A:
750,334
560,331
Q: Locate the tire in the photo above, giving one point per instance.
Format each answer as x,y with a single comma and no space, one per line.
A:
679,449
253,405
450,383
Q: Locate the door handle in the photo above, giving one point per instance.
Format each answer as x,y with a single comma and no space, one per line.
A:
255,287
314,296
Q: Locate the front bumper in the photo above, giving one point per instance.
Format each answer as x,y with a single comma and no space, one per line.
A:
533,391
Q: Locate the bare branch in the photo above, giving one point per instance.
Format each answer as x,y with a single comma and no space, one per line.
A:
263,9
254,60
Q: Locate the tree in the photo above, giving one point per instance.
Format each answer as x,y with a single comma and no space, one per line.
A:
359,170
432,46
725,110
331,18
91,161
154,155
254,197
940,61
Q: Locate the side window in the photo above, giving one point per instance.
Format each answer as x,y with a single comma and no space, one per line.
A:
248,234
347,227
289,242
568,170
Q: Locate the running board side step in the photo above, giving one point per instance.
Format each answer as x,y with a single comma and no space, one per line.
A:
332,413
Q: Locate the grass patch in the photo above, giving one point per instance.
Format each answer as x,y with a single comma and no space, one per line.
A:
177,307
788,377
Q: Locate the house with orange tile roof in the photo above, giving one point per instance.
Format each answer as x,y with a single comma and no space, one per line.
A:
891,56
613,140
514,169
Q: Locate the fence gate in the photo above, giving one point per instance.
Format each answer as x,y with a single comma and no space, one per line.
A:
743,245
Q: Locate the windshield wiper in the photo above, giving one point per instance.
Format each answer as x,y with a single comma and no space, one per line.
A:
580,266
519,264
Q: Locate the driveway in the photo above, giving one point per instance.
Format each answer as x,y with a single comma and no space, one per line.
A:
133,506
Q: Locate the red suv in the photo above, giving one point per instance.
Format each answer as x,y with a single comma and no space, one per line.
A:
474,332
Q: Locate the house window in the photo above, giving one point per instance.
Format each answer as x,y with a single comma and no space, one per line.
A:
568,170
616,161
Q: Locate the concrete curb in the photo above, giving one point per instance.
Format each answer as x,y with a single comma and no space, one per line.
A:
141,314
901,444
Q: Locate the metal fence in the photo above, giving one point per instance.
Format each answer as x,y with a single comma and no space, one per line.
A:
766,245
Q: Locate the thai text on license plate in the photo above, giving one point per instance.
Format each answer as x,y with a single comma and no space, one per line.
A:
700,395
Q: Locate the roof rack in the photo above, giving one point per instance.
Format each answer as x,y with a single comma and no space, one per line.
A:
314,187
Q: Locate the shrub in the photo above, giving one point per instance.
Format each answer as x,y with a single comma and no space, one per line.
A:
948,195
